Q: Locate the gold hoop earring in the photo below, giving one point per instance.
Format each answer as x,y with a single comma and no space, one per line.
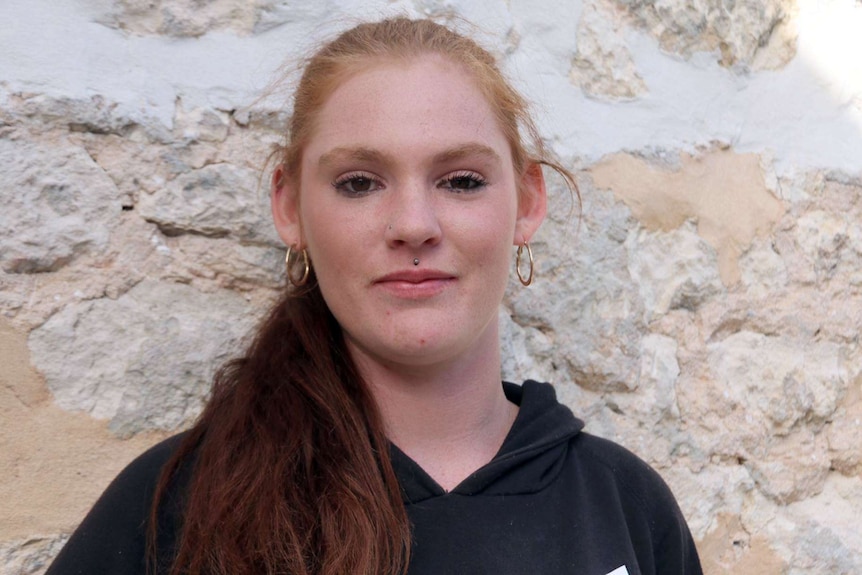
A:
301,281
520,251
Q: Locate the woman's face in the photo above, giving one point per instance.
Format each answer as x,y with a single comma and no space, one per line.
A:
407,162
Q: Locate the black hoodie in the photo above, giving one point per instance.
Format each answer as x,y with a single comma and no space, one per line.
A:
553,500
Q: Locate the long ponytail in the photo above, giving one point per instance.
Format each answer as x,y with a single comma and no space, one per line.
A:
291,466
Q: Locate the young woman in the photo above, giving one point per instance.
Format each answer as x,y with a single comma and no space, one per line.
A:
366,430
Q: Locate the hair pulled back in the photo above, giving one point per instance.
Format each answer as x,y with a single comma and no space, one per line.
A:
289,466
402,39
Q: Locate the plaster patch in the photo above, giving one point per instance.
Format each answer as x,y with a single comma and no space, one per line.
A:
53,464
724,192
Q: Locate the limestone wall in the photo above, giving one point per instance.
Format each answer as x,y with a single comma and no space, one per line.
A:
705,310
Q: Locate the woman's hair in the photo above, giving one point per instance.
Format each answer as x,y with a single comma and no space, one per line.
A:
290,466
370,44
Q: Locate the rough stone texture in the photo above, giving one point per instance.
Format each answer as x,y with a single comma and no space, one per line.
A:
745,396
684,282
748,32
230,264
58,204
174,336
216,201
844,433
702,307
94,114
603,65
829,546
592,322
193,18
30,556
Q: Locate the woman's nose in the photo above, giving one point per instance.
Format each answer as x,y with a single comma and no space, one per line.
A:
412,218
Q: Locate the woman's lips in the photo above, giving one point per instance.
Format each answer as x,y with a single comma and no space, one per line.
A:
415,284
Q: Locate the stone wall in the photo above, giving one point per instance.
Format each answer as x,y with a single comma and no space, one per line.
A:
704,310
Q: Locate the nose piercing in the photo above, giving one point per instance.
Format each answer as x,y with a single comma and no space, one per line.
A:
415,261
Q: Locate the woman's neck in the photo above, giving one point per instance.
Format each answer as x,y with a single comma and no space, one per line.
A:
451,419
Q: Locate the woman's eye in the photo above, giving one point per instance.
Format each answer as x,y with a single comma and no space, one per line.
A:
463,182
356,184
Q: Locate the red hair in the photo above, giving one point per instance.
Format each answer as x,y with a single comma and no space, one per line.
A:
402,39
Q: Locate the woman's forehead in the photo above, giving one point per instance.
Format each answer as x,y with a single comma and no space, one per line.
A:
428,99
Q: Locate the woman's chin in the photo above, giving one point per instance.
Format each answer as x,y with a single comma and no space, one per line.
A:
431,349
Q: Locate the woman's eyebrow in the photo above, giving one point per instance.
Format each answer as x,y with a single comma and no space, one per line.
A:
469,150
360,154
371,155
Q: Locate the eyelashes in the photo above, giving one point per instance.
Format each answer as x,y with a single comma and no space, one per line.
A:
358,184
463,182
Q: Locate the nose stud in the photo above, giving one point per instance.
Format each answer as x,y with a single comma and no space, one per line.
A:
415,261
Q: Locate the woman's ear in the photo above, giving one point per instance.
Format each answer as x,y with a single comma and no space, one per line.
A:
284,201
532,203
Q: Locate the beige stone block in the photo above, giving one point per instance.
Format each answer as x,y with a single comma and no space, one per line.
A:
218,200
674,269
145,360
776,382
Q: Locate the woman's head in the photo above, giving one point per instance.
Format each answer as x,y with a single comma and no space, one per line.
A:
405,147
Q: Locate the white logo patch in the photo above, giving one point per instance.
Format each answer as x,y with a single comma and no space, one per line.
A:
621,570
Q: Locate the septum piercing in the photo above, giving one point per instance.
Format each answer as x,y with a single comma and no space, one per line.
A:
415,261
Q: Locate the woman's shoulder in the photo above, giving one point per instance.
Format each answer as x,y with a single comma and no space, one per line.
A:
112,537
622,482
613,458
153,459
148,465
614,465
138,480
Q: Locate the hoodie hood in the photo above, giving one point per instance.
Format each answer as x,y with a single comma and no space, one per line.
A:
531,456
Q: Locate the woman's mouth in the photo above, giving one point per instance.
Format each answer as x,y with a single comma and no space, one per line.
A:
415,283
